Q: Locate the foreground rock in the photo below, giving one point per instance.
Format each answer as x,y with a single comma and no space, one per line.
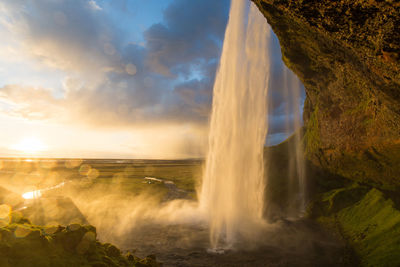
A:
24,244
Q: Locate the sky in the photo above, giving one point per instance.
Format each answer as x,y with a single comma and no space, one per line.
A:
114,79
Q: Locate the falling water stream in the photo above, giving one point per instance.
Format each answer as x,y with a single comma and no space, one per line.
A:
296,173
233,183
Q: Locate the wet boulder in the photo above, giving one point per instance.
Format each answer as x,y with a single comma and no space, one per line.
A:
76,237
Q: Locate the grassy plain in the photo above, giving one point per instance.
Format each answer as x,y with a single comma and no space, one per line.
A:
124,176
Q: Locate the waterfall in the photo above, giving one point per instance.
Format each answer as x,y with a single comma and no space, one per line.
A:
232,193
296,184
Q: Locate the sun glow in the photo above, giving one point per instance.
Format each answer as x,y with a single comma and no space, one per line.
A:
30,145
32,195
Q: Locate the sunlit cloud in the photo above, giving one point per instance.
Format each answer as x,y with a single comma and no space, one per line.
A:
77,71
30,103
64,35
126,88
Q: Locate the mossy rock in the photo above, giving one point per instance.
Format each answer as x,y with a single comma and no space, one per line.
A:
373,227
111,250
366,218
74,245
149,261
333,201
347,55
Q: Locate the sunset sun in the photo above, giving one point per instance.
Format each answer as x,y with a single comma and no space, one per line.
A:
29,145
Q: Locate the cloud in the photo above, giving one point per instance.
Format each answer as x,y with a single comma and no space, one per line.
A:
30,103
66,35
93,5
189,37
111,82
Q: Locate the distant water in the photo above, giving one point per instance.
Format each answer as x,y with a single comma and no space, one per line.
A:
233,184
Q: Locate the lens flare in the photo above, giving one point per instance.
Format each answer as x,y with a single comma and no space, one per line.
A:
32,195
22,231
5,211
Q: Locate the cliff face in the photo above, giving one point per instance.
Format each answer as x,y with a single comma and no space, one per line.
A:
347,54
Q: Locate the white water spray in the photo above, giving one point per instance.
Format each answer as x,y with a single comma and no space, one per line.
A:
297,175
232,192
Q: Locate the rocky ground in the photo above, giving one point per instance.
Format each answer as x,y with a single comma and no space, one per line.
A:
282,243
24,244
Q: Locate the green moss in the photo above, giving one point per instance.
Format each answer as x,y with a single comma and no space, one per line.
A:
365,218
343,197
328,203
312,135
373,228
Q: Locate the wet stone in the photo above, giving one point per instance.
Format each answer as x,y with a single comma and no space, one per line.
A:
130,257
112,251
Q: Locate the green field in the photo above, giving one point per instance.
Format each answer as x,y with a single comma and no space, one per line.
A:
90,190
23,175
